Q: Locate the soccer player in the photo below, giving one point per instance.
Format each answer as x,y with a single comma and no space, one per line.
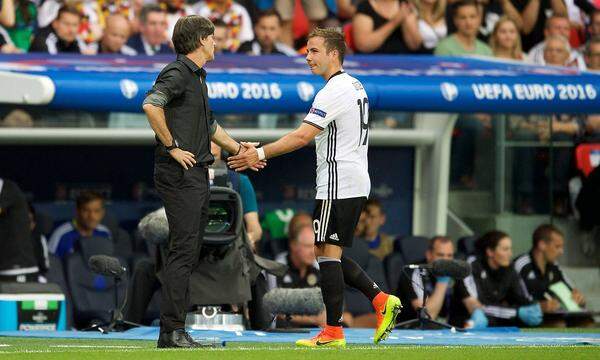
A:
338,121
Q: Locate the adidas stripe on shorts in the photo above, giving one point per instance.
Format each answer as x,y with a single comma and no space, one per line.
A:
334,221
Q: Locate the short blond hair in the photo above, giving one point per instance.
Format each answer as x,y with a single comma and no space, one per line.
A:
334,40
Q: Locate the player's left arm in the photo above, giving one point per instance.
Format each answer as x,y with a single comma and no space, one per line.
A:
294,140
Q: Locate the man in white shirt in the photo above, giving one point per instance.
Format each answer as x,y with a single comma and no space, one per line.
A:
556,26
338,122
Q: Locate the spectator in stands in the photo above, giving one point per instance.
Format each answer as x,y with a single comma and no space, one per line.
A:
380,244
539,270
413,284
268,33
432,22
467,19
221,37
505,40
315,10
303,270
386,27
151,39
234,15
556,26
592,52
61,35
6,44
594,24
530,16
89,213
115,36
17,262
346,9
21,31
493,295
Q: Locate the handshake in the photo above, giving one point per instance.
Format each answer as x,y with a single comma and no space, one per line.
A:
531,315
248,157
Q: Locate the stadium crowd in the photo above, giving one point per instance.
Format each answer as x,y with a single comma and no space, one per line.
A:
509,29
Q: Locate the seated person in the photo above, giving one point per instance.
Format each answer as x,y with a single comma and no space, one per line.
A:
303,271
17,262
268,33
539,270
115,36
413,284
152,39
380,244
61,36
493,295
89,213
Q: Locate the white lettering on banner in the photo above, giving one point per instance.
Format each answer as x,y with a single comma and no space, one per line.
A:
249,91
544,92
534,91
492,91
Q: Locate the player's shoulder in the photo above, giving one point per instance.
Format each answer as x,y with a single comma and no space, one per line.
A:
339,87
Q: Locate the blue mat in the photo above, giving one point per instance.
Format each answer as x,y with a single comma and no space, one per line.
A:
507,336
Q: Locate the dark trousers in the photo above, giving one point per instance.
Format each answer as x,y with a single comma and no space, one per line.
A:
142,286
185,194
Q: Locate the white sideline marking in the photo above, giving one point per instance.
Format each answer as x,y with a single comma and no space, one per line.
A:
4,345
97,346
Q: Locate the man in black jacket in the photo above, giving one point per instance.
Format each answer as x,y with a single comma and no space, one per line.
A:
179,113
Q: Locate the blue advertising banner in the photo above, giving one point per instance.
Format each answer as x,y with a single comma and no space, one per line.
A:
278,84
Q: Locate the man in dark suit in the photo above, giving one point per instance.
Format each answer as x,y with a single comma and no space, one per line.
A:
151,40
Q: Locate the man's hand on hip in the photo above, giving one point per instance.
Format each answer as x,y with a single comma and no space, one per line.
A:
184,158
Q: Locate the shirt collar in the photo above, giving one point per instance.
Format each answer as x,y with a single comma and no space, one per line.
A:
336,74
191,65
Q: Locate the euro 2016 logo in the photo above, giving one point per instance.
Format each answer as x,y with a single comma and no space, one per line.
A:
305,91
449,91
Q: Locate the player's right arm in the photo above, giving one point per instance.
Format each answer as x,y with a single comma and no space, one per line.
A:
328,104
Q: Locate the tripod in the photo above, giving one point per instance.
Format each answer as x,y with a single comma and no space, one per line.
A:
117,323
423,319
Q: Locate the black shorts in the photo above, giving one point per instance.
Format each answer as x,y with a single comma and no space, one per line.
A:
334,221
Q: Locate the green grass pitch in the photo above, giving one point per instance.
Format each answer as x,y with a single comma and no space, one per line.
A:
23,348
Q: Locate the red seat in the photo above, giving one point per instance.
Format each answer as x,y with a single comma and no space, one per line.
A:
587,157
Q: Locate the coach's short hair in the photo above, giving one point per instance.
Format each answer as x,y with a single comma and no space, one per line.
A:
544,233
188,32
334,40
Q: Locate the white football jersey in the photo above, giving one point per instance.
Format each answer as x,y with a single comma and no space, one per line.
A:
341,110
